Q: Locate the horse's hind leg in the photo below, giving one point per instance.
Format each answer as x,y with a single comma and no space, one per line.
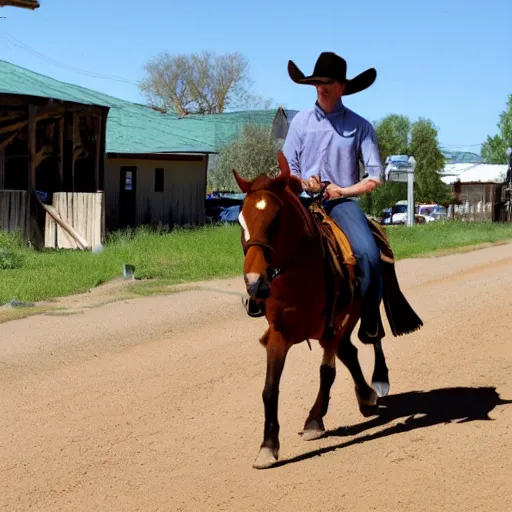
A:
277,348
380,378
314,426
366,396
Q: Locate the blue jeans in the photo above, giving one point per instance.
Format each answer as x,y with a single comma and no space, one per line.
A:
352,220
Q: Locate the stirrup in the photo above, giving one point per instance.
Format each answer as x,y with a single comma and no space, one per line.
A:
253,309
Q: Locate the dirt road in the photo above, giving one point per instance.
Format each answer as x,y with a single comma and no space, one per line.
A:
154,404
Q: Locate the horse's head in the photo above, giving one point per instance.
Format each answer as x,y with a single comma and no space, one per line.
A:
265,211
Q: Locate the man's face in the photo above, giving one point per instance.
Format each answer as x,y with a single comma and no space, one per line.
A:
330,92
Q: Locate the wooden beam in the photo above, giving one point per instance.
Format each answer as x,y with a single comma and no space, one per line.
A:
18,126
7,141
62,127
75,131
23,4
99,133
2,171
32,125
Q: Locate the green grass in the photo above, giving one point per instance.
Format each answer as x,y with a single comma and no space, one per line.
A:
422,239
186,255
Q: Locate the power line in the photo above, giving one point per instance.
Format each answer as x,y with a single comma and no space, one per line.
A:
10,40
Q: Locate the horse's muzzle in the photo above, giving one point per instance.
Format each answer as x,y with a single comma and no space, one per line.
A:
257,286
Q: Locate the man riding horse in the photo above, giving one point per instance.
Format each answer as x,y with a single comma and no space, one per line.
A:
323,147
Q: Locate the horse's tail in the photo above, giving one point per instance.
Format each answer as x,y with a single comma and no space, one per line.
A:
401,317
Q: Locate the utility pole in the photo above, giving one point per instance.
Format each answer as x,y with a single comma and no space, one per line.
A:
410,190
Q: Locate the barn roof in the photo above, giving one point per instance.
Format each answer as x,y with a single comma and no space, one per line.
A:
131,127
476,173
135,128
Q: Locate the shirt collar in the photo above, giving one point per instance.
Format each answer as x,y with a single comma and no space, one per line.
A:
320,113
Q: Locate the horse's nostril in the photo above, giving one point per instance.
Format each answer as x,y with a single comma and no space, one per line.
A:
258,289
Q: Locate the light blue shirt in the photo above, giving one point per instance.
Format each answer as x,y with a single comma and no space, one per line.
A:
331,145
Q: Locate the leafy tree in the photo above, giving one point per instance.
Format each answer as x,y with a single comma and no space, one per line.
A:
397,136
494,148
253,153
393,135
424,147
202,83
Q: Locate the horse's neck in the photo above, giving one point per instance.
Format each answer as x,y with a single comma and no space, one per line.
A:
298,231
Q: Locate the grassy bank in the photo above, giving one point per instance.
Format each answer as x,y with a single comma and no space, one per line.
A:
185,255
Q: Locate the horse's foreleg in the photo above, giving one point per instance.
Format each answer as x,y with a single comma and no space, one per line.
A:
380,378
366,396
277,348
314,426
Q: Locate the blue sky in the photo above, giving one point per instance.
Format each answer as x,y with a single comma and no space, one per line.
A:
446,60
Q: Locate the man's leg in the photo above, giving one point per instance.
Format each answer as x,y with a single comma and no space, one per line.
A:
352,220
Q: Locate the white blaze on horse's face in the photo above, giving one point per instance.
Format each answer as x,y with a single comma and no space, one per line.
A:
241,219
261,204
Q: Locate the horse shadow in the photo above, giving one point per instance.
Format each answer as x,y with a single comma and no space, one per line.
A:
421,409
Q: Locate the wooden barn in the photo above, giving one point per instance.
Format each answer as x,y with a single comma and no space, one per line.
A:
478,189
51,162
145,167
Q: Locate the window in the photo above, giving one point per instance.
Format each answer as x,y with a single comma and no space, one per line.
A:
159,179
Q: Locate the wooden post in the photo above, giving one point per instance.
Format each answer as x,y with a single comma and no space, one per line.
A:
99,123
32,112
2,169
73,146
62,127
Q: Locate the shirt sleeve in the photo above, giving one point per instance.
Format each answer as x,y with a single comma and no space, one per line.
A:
292,145
370,156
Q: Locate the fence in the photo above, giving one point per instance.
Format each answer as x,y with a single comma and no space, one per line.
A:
14,211
75,221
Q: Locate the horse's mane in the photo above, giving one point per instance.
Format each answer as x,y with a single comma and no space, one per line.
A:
290,195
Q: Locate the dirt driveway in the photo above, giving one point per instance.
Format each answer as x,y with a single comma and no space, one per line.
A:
154,404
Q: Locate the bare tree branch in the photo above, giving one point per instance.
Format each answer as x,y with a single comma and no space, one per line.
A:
203,83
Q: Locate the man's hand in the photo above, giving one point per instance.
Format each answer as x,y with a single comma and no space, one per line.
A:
333,192
312,185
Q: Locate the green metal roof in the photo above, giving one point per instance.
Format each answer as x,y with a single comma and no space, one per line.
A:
226,126
135,128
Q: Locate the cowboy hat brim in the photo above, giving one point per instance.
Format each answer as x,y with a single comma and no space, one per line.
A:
352,86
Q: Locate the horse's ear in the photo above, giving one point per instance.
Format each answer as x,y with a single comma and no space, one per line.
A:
284,175
244,185
295,185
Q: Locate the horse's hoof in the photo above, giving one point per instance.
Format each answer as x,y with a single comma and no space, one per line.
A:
266,458
312,434
313,429
368,410
381,388
368,406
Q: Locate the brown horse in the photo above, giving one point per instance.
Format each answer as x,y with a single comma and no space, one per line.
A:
286,268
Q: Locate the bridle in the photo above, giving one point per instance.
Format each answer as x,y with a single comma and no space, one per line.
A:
273,272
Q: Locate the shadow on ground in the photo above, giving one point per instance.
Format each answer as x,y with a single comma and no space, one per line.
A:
420,409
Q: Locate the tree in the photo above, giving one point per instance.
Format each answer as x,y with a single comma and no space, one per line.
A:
424,147
393,135
397,136
393,139
202,83
253,153
494,148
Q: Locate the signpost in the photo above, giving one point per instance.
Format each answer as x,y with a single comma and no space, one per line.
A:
401,168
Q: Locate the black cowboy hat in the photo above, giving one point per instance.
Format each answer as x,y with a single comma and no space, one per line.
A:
330,66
